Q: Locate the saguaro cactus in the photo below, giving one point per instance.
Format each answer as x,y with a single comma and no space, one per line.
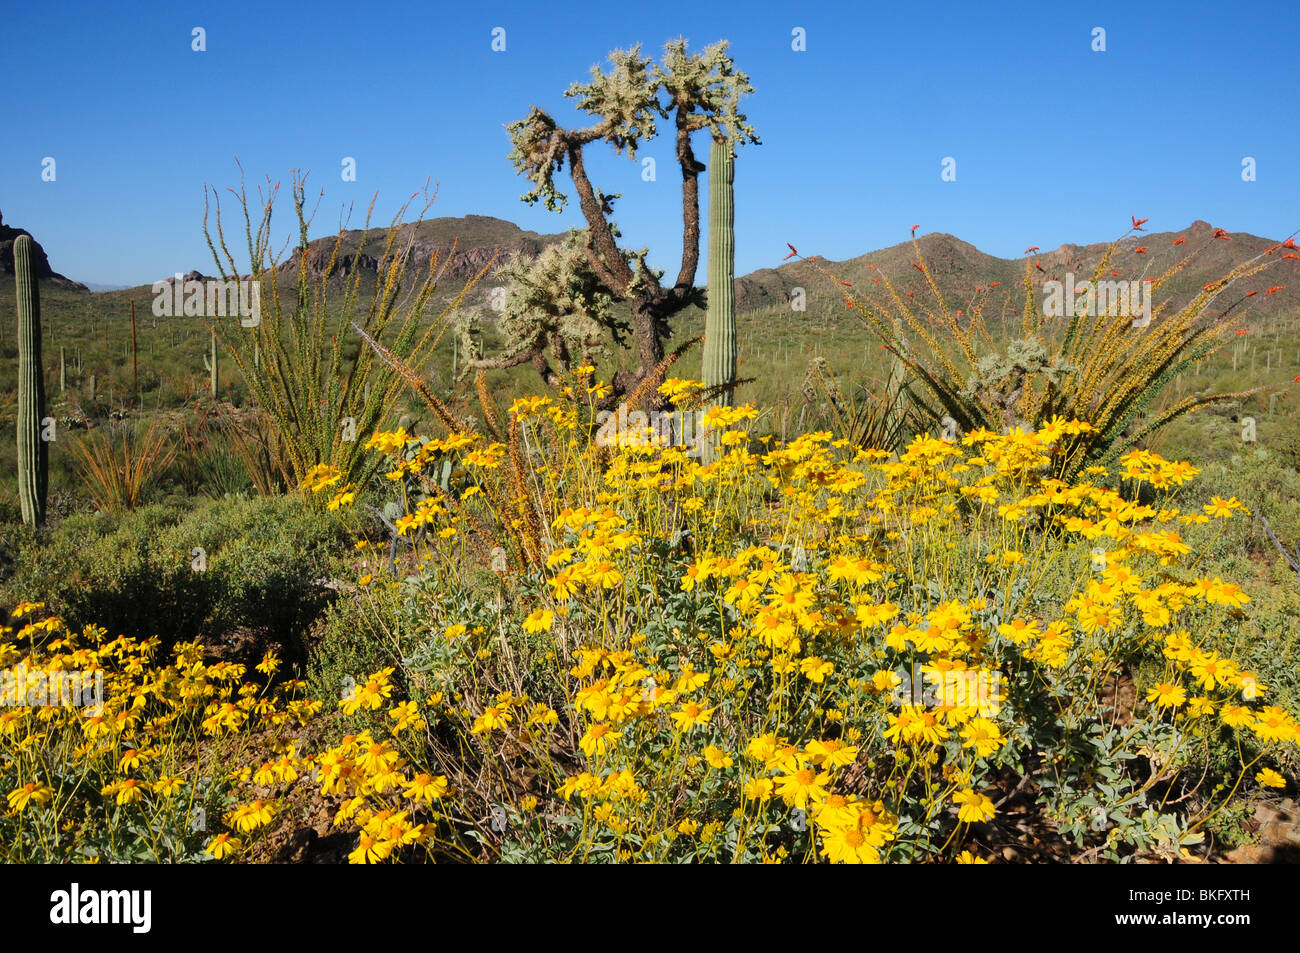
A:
719,357
210,364
33,452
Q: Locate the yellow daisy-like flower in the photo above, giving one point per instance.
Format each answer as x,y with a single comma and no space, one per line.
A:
717,758
973,807
691,715
30,793
983,735
598,739
1270,779
802,786
425,788
539,620
1237,716
1166,695
249,817
223,845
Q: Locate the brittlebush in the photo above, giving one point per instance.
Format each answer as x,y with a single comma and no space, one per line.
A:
804,652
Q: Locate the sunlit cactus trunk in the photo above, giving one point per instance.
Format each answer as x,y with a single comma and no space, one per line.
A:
720,350
33,452
210,364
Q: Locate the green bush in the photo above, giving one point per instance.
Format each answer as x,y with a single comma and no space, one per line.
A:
139,573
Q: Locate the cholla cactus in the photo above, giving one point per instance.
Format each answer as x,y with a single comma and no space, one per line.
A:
1002,378
555,311
695,92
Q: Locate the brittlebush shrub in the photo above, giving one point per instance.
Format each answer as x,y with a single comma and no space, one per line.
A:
808,652
803,652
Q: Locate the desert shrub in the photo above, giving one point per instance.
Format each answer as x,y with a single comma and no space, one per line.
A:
118,464
135,573
137,767
802,652
807,653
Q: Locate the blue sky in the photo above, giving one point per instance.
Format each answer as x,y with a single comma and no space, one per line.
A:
1053,142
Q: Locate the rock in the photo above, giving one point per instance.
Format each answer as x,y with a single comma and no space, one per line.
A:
8,235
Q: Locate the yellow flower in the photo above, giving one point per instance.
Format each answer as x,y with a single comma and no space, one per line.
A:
539,620
493,717
223,845
1237,716
717,758
1274,724
1270,779
691,715
966,857
370,850
830,753
799,787
30,793
973,808
1166,695
249,817
983,735
598,739
168,785
425,788
404,716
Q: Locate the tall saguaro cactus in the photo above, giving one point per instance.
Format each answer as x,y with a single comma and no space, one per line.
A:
719,357
33,452
210,364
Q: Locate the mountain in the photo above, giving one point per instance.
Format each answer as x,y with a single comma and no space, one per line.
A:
962,271
8,235
463,245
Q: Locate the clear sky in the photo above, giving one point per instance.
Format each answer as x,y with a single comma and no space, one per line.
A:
1053,141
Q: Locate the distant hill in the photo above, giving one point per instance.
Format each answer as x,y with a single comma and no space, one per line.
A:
961,271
